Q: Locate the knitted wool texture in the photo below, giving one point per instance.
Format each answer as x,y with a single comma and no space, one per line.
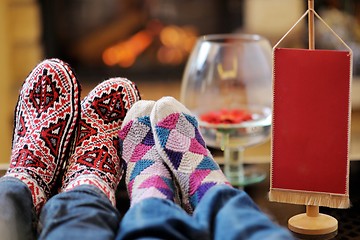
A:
46,115
146,174
180,144
96,159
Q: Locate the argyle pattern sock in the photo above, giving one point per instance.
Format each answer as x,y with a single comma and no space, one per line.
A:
180,144
146,174
45,119
96,159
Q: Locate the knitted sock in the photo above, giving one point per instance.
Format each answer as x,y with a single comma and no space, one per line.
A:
146,174
46,115
180,144
96,158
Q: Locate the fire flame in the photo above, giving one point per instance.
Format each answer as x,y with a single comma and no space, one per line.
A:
176,45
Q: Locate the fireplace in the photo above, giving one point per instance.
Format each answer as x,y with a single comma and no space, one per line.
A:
139,39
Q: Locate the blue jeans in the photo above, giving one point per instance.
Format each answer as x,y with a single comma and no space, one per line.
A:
223,213
17,216
86,213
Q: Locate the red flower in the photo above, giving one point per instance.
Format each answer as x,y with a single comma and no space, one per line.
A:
225,116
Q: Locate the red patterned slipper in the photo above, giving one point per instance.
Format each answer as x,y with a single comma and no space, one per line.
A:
46,115
96,160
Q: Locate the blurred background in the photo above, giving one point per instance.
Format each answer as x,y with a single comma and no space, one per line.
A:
147,41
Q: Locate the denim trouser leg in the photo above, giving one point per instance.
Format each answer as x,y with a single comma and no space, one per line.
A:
156,218
82,213
17,216
223,213
230,213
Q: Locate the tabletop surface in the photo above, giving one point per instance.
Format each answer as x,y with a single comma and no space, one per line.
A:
348,219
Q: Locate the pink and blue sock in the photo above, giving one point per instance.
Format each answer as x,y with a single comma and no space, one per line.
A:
180,144
146,174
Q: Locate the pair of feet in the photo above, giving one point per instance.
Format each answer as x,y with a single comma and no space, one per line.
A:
166,155
60,142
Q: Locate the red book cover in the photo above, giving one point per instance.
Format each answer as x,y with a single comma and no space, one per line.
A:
311,115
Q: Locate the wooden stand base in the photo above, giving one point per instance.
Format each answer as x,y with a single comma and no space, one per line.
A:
312,222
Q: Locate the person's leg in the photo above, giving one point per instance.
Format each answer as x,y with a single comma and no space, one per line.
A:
181,146
157,218
17,213
153,213
230,213
146,175
225,212
96,160
45,117
84,212
85,208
